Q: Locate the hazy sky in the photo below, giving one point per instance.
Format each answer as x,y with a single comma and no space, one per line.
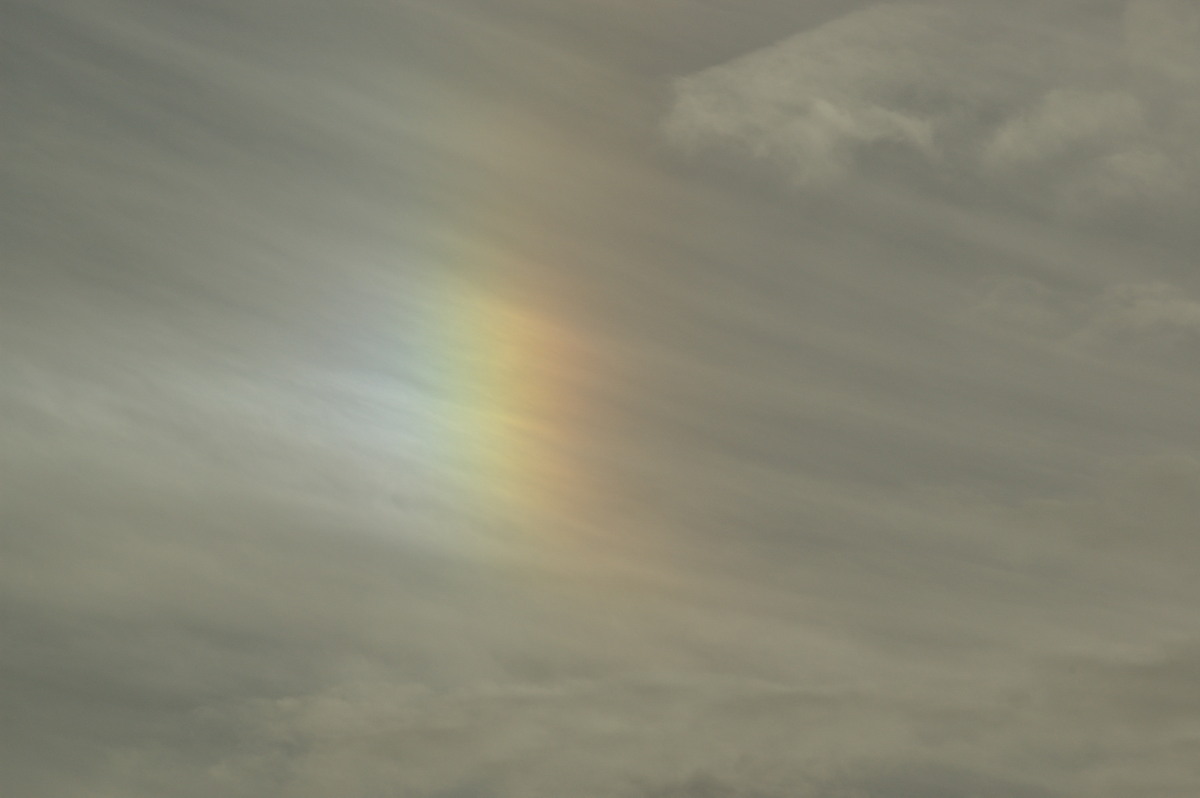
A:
599,399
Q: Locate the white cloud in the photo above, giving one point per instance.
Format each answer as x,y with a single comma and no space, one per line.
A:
1077,113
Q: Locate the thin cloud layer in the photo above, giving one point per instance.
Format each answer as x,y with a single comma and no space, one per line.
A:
1146,322
891,486
1079,112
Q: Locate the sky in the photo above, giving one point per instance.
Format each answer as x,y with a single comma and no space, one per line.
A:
599,398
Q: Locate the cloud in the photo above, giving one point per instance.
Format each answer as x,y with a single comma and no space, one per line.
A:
1081,666
1072,110
616,738
1143,515
1148,321
847,544
1147,702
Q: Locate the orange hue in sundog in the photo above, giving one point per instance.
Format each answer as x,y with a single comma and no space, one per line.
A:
521,409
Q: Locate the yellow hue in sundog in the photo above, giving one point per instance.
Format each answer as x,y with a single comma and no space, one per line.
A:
520,405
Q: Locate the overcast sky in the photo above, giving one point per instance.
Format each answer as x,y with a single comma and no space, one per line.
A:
599,398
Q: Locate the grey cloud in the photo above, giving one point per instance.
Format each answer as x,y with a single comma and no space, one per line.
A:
1146,700
1142,514
1155,315
1151,692
927,728
609,738
895,493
